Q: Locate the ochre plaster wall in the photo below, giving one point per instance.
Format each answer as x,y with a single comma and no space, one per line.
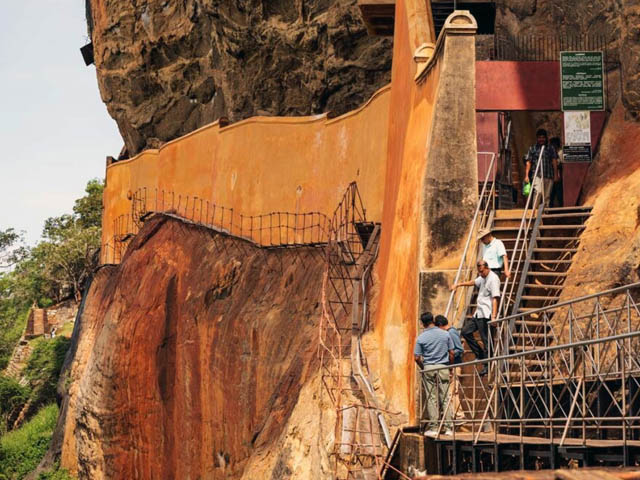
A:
265,164
422,162
411,113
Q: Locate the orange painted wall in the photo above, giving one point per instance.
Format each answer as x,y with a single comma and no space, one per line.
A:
265,164
411,114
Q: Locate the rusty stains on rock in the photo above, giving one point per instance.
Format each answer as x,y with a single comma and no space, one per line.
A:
197,343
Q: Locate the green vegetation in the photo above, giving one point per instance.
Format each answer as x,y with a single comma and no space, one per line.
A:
55,473
22,449
55,269
12,397
43,369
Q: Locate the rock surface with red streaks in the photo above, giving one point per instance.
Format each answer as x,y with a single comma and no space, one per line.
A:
190,356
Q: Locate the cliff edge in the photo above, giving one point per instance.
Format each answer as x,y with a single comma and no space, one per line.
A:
166,68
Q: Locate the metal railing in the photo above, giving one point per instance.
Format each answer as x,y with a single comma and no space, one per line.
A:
483,217
525,241
573,381
547,47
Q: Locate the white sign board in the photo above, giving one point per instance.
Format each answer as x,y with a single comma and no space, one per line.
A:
577,136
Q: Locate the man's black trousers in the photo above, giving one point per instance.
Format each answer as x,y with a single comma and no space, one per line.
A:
481,325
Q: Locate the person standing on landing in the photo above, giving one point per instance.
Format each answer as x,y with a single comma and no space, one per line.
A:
544,181
433,350
458,350
488,284
557,192
494,253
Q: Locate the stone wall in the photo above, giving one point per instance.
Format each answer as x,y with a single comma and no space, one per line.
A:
263,165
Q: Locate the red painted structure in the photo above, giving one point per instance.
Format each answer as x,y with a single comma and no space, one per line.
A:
503,86
528,86
487,133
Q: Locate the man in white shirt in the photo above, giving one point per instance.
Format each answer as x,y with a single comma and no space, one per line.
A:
488,284
494,253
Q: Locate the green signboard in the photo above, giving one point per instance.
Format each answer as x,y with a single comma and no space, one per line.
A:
582,81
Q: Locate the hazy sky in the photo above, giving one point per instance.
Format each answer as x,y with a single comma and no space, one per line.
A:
55,131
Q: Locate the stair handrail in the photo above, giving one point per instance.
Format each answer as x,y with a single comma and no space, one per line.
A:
520,252
482,217
504,158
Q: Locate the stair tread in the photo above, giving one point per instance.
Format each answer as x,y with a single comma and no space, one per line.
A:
529,334
540,249
550,261
548,274
515,361
533,323
567,215
549,239
545,287
562,227
539,297
563,209
518,373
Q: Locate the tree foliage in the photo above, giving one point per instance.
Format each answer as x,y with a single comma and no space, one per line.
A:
11,247
55,269
58,266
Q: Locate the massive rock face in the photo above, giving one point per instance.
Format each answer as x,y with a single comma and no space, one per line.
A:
167,68
617,21
609,254
189,358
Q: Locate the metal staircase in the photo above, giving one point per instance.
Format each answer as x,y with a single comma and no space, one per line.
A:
540,245
440,12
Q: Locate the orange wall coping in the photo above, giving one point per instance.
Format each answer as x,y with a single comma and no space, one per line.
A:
261,165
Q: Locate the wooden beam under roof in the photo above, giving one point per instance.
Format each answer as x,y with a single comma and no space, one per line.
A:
378,15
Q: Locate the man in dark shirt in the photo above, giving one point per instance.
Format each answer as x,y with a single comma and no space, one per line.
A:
458,350
544,180
557,193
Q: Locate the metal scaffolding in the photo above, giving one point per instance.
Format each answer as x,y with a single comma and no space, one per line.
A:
361,435
571,384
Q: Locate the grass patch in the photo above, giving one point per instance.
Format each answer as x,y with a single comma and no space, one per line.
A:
66,330
22,450
56,473
43,368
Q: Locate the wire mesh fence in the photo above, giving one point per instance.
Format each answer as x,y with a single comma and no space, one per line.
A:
271,230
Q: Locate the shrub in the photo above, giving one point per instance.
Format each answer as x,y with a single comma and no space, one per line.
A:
56,473
22,450
12,397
